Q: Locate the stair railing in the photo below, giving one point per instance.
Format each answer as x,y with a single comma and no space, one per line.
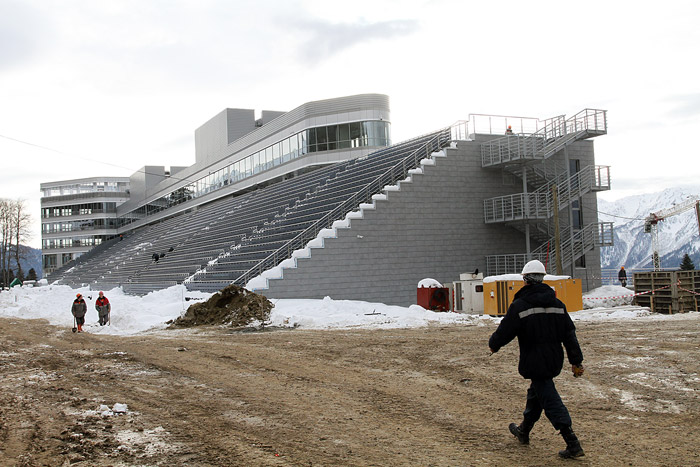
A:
555,134
396,173
539,203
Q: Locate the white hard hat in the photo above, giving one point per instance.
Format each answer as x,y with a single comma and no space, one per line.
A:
534,267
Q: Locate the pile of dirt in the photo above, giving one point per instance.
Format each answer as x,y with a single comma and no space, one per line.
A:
233,306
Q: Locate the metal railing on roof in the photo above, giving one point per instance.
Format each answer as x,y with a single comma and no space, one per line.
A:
545,141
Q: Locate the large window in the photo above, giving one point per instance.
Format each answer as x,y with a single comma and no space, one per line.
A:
324,138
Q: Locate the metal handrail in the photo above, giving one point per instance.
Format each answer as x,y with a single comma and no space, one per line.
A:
573,246
556,133
590,236
397,172
539,203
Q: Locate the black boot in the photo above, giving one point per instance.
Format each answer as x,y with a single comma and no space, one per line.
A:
521,432
573,447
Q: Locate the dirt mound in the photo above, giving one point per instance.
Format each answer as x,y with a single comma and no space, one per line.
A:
233,305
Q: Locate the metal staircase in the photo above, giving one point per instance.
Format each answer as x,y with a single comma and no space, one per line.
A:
554,136
526,155
539,204
573,246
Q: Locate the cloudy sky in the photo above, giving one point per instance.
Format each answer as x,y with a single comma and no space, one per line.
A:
91,88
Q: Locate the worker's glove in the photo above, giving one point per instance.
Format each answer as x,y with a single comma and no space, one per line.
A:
577,370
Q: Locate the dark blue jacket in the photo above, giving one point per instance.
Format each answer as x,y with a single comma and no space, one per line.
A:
541,323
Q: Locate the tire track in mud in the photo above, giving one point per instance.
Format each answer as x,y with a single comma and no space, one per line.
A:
426,396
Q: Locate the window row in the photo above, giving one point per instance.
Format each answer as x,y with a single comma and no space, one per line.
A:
70,242
90,187
90,224
325,138
78,210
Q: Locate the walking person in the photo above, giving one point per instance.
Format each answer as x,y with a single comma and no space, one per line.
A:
79,309
103,308
622,276
541,323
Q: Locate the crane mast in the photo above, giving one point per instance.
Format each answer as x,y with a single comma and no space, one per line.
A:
652,220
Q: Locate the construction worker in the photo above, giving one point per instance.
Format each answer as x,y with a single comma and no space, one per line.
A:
541,324
622,276
79,309
103,308
509,131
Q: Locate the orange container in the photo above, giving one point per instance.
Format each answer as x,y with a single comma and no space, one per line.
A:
498,295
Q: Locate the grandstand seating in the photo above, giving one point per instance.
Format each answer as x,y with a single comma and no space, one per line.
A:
215,244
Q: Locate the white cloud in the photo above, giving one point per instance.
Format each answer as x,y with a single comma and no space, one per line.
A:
128,82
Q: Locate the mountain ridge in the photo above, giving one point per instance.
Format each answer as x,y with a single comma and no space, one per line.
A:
678,234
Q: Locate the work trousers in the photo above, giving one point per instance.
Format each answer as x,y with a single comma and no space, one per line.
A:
102,317
543,395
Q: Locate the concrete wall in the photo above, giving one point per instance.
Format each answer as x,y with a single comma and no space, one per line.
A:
433,227
590,275
224,128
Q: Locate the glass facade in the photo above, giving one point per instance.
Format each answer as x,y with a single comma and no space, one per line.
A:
78,210
312,140
71,242
72,226
88,187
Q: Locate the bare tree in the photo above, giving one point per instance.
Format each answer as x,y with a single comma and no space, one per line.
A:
5,238
14,232
21,232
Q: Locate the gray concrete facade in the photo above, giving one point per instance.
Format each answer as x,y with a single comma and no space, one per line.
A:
432,227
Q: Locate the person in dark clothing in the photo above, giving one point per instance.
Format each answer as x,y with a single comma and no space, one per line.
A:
155,257
541,323
79,309
622,276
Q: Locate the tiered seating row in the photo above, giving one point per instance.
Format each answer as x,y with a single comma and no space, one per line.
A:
234,234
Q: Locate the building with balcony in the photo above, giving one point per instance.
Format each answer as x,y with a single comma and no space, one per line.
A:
77,215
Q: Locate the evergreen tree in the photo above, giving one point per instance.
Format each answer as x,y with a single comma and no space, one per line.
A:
687,263
31,275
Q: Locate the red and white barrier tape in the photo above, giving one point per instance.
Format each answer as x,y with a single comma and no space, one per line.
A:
694,293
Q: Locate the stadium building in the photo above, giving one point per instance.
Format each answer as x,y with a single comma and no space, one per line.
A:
318,202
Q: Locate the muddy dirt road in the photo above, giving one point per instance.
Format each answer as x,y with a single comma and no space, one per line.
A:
423,397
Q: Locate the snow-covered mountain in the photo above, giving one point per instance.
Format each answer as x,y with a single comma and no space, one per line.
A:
678,234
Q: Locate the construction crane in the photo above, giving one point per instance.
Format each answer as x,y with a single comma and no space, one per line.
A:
651,221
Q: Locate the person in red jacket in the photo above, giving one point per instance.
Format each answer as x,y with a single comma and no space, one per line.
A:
103,308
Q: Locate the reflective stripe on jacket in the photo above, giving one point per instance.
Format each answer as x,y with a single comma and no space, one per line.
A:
541,323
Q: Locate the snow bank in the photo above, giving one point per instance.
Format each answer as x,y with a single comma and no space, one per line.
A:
607,296
130,314
133,314
429,283
343,314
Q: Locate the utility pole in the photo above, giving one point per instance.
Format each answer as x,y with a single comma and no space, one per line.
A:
557,233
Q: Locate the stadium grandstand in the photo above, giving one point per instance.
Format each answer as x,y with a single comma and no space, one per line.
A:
317,202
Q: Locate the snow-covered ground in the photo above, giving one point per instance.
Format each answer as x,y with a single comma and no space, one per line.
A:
133,314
